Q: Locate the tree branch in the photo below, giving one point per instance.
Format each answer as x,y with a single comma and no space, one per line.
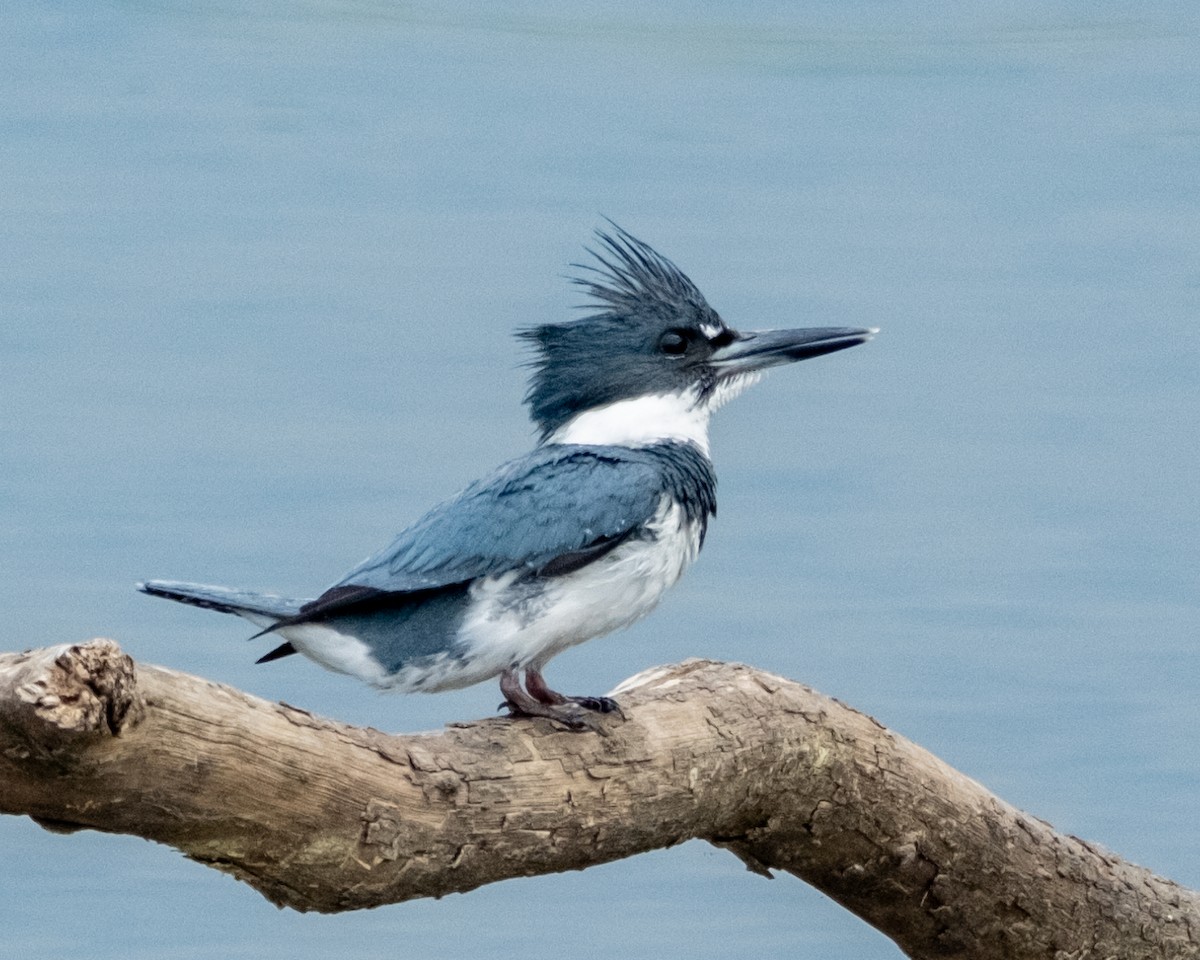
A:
317,815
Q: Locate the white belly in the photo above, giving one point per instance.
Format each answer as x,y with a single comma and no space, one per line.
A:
337,651
508,626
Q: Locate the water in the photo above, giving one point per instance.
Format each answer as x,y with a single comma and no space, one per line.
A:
261,270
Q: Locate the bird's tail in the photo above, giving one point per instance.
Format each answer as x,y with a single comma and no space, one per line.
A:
261,609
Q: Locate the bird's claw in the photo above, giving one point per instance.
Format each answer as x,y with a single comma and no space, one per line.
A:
599,705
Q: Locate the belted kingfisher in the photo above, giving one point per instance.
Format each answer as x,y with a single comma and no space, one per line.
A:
577,538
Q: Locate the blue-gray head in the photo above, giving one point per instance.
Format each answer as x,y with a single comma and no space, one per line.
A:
656,359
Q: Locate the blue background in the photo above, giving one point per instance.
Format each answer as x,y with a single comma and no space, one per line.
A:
261,266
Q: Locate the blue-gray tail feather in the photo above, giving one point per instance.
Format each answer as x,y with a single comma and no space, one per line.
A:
260,608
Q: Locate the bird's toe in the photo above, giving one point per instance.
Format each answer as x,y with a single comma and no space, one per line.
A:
599,705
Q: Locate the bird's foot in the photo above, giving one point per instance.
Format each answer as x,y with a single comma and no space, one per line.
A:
570,715
535,699
535,683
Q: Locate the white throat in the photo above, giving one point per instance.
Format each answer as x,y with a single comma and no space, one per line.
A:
640,422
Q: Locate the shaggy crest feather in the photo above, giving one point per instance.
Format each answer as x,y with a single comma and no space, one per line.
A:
633,276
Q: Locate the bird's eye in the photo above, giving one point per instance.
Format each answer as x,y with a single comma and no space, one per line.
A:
673,343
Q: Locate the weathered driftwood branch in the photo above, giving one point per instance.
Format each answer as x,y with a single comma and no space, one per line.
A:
321,816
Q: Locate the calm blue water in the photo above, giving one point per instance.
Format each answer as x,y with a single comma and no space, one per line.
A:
261,264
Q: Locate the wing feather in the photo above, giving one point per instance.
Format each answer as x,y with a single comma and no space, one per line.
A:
560,503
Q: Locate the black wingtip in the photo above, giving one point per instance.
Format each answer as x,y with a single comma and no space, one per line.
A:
281,651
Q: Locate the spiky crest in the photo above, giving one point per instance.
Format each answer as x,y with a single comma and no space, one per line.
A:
633,277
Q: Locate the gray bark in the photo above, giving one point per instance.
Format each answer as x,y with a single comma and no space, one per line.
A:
318,815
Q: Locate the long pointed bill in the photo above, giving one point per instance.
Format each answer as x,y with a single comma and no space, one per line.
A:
759,349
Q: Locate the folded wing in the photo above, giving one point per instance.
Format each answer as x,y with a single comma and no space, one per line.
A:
549,512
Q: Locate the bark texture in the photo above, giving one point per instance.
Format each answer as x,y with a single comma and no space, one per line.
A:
317,815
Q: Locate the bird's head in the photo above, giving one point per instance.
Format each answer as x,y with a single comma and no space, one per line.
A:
655,360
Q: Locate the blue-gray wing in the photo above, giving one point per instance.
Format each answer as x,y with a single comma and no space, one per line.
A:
547,512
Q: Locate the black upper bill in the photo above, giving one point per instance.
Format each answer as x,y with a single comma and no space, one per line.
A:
759,349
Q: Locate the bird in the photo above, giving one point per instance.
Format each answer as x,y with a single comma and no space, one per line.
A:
579,537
